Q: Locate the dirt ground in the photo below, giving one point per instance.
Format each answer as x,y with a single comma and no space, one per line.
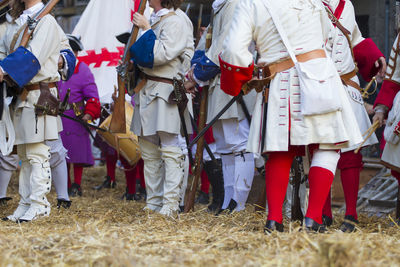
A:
101,230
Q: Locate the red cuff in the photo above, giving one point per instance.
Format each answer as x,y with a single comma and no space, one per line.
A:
234,77
387,93
366,54
93,108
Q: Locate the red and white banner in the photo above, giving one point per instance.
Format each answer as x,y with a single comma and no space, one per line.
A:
101,21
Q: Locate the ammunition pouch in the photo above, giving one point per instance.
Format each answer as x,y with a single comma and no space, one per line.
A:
47,103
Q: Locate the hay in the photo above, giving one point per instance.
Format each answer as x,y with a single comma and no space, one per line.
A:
102,230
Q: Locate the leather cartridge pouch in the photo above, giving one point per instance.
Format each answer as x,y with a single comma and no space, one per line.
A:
178,96
47,103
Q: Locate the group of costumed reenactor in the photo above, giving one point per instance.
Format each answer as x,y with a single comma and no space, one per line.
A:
269,81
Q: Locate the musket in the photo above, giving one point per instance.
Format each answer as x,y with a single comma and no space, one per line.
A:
198,166
187,9
118,120
33,22
215,119
4,4
198,33
209,152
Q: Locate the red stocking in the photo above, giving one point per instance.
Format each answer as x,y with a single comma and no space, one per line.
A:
277,171
130,176
205,184
320,180
78,174
111,160
69,174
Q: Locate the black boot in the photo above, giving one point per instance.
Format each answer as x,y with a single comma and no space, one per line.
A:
75,190
105,184
202,198
349,224
313,226
326,220
66,204
272,226
214,172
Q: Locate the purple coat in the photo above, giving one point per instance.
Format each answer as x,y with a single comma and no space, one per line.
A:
74,136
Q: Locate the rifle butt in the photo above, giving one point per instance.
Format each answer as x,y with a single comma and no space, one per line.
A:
118,120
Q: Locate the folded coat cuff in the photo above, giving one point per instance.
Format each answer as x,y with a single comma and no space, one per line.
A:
366,54
142,50
21,66
234,77
387,93
93,108
205,69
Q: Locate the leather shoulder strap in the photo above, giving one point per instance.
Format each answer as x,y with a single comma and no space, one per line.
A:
162,18
16,36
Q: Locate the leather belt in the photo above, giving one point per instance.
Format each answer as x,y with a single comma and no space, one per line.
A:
32,87
346,79
158,79
272,69
269,71
146,77
36,86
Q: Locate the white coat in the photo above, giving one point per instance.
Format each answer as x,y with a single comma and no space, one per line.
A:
339,49
306,25
46,46
153,113
217,99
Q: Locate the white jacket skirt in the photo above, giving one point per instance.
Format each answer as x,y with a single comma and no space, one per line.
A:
334,130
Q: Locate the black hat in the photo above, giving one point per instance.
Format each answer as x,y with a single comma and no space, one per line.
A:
75,42
123,37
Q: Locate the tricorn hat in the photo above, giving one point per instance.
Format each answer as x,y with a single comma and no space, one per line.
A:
123,37
75,42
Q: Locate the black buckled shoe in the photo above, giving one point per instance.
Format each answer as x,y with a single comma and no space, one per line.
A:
272,226
202,198
63,203
4,200
105,184
313,226
327,221
75,190
349,224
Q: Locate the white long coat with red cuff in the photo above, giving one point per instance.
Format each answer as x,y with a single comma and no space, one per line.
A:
340,52
46,46
217,99
307,26
153,113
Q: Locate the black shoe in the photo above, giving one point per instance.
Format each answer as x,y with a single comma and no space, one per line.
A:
142,193
4,200
66,204
113,184
129,196
313,226
232,205
202,198
349,224
326,220
272,226
214,172
5,219
75,190
105,184
22,221
181,209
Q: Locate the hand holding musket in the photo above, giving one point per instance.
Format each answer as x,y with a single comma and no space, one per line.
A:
117,124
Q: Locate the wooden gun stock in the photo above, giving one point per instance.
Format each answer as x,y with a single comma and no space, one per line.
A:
4,4
189,201
118,120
